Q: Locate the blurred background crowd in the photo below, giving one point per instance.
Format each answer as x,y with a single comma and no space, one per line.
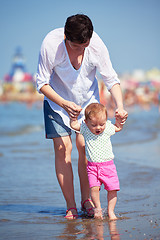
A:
139,87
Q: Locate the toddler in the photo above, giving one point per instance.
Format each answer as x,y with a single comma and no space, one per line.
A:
101,169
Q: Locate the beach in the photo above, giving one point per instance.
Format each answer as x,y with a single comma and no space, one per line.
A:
31,203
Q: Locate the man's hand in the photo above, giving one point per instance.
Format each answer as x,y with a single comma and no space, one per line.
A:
72,109
121,116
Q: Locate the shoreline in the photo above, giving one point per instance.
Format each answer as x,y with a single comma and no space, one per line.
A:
27,97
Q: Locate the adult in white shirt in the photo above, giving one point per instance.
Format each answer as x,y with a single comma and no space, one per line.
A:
68,61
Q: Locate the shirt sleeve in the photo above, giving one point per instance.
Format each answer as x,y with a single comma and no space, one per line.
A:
110,128
108,74
45,65
82,128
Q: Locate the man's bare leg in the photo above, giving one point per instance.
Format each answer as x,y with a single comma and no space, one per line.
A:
82,171
63,166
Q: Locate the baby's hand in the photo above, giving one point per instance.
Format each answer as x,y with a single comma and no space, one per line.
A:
75,124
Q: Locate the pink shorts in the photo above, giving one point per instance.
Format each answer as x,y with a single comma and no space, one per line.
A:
105,173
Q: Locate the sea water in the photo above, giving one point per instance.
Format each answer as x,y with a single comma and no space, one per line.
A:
31,203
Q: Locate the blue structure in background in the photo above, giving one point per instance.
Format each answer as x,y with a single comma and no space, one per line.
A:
18,72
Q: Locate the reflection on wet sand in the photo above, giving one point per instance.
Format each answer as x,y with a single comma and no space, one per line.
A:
90,229
113,230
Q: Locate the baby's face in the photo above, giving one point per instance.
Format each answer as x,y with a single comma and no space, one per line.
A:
97,124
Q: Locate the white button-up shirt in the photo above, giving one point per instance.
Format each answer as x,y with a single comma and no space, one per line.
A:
79,86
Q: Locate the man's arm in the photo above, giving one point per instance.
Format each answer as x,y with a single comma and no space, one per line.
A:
121,115
71,108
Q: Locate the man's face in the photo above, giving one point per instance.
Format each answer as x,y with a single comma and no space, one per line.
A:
79,47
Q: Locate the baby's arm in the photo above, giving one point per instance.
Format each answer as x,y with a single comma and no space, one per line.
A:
75,124
118,126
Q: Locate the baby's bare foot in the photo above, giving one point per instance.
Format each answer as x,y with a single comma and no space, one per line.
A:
98,213
112,216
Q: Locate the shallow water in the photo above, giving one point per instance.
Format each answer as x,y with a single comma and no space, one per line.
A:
31,203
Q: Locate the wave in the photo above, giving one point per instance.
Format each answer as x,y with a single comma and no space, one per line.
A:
22,131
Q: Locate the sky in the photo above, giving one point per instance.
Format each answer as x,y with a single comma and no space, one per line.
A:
129,28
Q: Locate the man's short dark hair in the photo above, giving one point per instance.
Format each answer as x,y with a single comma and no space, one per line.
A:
78,28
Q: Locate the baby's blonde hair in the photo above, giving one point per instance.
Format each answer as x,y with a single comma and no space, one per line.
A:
94,109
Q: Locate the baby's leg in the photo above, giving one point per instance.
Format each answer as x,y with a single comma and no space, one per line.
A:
96,200
112,199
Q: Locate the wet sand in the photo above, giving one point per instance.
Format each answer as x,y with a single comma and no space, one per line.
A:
32,205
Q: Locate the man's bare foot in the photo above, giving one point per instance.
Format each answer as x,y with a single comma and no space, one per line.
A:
98,213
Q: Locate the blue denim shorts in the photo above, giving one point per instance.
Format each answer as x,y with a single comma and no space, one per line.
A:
54,125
